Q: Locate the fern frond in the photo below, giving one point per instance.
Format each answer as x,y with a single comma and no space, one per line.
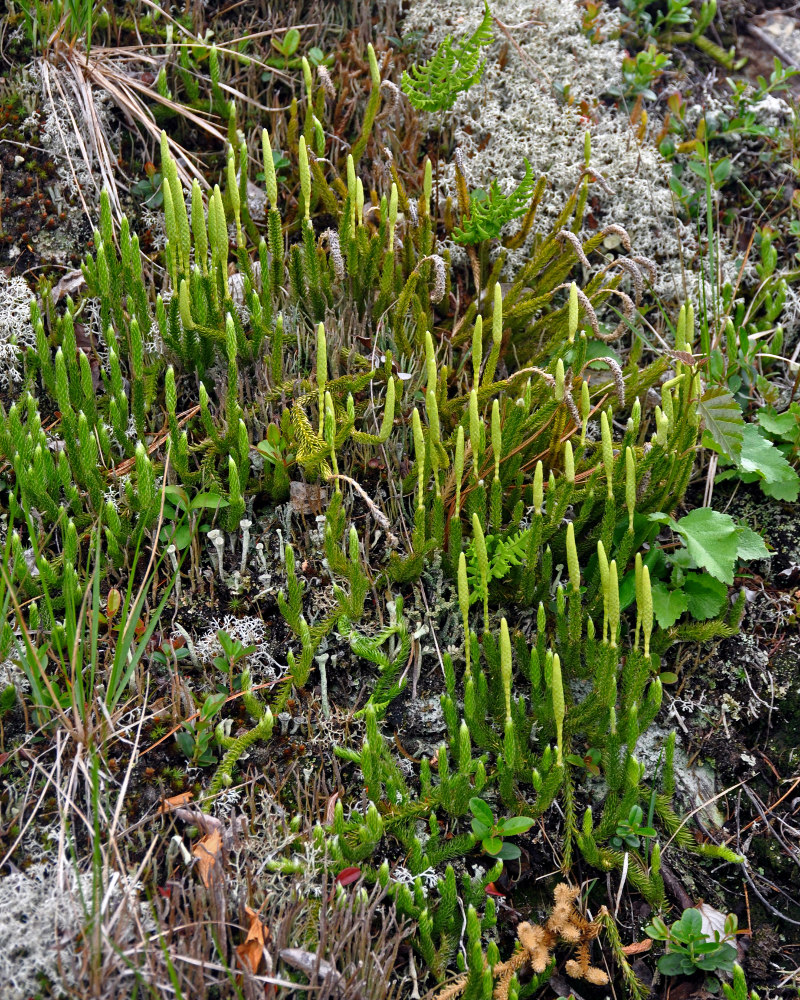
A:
452,69
503,553
489,213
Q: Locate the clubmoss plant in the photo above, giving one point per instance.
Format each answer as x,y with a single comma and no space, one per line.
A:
452,427
236,747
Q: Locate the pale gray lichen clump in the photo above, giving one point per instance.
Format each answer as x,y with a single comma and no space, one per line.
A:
50,95
15,327
39,920
248,631
516,112
12,676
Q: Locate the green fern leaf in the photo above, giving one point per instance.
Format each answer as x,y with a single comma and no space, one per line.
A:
452,70
489,213
502,553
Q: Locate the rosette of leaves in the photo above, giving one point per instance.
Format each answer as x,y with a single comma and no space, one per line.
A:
691,948
491,832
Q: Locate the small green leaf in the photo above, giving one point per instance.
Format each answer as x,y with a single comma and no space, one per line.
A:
493,845
785,425
227,643
209,500
721,171
706,597
178,496
668,605
726,957
723,420
508,852
657,929
751,544
481,811
182,537
691,922
481,830
707,947
597,351
698,167
515,825
269,451
212,705
291,40
762,460
673,964
712,539
185,742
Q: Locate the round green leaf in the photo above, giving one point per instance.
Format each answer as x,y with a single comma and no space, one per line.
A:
672,964
509,852
481,830
493,845
481,811
515,825
210,500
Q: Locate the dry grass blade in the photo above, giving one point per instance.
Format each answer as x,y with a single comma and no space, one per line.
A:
70,79
125,91
46,71
24,829
84,98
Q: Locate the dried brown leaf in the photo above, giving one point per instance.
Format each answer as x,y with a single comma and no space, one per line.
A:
684,356
308,963
307,498
175,802
638,947
68,284
207,852
251,951
330,809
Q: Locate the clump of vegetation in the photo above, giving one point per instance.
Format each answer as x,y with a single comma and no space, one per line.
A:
278,434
